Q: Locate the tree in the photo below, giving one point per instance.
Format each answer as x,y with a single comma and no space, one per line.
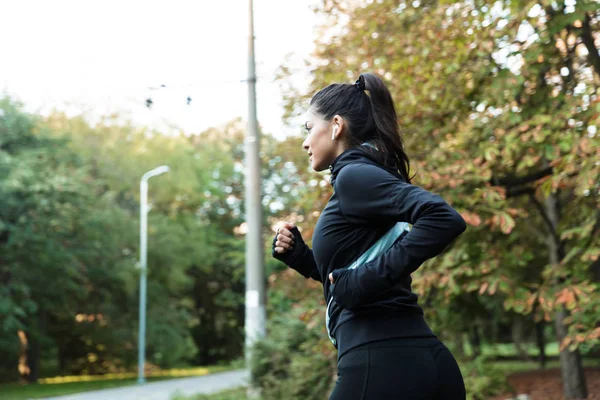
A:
498,107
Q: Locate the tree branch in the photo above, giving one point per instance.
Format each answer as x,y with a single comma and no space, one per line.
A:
519,191
545,217
588,41
521,180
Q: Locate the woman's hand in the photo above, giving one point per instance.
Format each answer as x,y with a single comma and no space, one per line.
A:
289,248
331,278
284,241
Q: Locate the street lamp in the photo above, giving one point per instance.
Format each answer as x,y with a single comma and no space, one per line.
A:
143,260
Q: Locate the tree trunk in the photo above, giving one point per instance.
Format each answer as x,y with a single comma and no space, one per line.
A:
573,377
34,348
595,269
33,358
517,333
571,368
475,340
541,343
23,367
62,359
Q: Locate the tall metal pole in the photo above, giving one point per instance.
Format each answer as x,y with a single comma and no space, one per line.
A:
255,285
143,264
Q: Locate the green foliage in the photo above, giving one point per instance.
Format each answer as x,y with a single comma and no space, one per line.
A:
292,361
69,226
483,379
233,394
69,244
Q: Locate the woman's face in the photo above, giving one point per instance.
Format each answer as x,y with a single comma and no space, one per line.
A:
322,150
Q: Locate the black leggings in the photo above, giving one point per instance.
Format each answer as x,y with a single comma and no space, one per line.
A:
399,369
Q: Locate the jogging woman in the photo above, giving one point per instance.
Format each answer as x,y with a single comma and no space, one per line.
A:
374,232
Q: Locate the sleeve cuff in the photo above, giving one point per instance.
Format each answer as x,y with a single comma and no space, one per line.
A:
340,291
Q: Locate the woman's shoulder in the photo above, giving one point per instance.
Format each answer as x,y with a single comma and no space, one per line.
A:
362,172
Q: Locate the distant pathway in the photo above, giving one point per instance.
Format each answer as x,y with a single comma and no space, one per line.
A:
165,390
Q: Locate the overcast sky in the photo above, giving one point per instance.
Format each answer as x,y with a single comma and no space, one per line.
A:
104,56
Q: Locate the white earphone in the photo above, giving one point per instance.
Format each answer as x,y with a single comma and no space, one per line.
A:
335,128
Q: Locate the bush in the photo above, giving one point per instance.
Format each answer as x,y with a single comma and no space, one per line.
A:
295,360
482,380
233,394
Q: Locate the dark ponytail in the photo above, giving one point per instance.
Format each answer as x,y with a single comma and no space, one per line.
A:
371,117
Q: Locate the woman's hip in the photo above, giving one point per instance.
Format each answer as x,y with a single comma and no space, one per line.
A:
404,368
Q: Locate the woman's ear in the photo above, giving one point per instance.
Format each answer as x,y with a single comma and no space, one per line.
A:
339,127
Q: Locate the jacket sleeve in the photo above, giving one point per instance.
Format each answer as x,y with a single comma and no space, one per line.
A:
300,258
369,194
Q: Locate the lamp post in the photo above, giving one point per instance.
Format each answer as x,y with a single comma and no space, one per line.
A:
143,262
255,272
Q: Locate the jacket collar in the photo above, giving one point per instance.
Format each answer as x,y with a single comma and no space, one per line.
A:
365,153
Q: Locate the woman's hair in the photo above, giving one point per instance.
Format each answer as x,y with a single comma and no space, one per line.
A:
370,118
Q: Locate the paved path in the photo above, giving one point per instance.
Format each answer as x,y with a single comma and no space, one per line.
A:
165,390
